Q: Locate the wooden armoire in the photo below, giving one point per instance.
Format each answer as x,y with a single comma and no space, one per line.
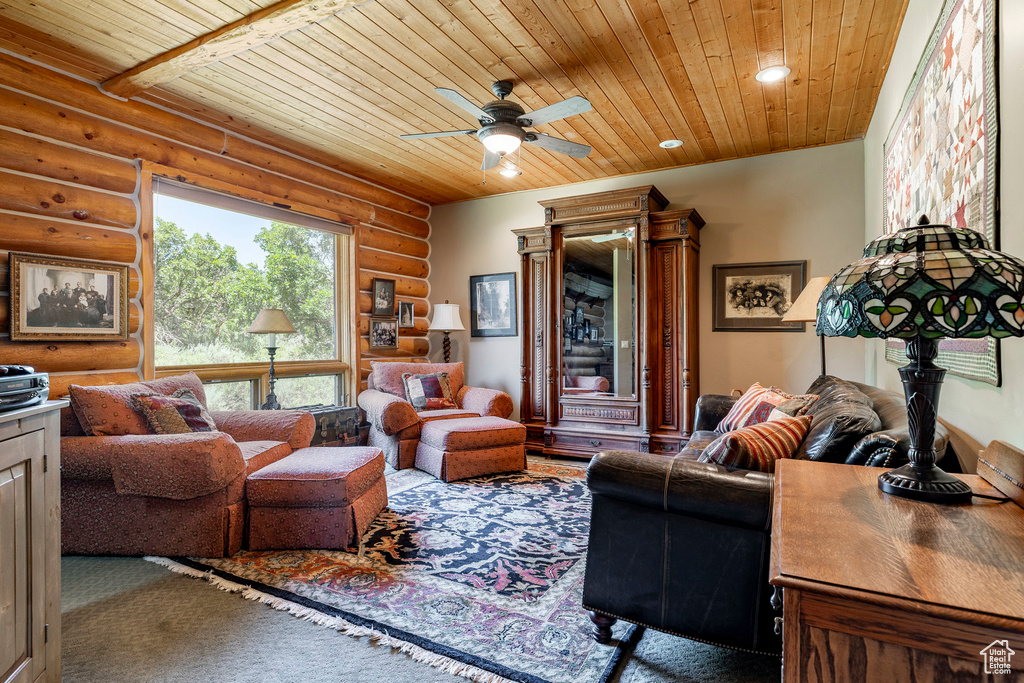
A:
609,310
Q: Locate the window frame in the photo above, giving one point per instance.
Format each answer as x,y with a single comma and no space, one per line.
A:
345,293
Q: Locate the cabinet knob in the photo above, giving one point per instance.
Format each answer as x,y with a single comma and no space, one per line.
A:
778,626
595,442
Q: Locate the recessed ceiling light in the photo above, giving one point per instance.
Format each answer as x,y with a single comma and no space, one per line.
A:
510,172
772,74
670,144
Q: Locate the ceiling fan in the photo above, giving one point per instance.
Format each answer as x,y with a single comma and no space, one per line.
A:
502,124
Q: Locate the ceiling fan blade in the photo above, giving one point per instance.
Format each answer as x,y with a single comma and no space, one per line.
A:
560,110
458,99
573,149
491,159
443,134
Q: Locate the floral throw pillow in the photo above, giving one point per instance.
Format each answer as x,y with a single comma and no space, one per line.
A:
429,392
758,447
179,413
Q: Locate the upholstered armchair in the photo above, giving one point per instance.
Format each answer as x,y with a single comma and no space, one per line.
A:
164,494
592,384
395,424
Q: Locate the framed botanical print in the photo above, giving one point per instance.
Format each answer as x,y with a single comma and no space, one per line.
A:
67,299
492,304
383,296
753,297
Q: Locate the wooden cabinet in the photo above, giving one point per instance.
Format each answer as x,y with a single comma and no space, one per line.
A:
30,544
878,588
610,293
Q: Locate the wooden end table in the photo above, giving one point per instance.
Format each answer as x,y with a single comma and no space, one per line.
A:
878,588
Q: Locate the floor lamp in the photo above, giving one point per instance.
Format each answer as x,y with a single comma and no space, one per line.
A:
805,310
271,321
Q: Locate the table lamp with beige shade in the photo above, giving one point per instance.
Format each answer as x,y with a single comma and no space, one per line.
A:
446,318
805,309
272,322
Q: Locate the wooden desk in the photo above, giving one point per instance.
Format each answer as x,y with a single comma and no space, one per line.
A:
879,588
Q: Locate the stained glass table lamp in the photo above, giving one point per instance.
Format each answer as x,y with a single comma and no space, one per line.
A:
921,284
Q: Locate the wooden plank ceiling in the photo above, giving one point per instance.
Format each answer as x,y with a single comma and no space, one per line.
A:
341,89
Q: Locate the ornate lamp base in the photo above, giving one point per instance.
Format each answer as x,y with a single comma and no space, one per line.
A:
921,479
271,402
924,482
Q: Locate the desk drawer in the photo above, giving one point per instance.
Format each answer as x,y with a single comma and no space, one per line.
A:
595,442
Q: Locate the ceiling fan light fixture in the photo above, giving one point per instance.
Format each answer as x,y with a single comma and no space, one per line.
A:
670,144
501,138
510,172
772,74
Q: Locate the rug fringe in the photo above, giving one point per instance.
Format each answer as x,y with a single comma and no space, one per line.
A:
418,654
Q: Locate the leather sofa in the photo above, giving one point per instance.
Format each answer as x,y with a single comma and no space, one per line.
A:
395,425
683,546
168,494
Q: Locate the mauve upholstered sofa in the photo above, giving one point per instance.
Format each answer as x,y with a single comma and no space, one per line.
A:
168,494
395,425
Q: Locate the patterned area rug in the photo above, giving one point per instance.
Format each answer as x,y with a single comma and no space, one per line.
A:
482,578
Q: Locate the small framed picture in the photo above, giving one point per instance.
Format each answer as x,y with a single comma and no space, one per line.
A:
405,314
492,303
384,333
383,297
67,299
753,297
595,333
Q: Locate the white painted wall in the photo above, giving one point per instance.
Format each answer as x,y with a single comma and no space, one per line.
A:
806,204
982,411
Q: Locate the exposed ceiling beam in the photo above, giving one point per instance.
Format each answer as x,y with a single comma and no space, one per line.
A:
246,33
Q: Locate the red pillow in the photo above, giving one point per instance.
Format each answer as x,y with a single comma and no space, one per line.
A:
429,392
756,405
179,413
758,446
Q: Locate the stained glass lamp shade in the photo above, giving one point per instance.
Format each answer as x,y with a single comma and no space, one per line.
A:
921,284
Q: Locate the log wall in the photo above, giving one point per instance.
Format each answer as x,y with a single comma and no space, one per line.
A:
72,184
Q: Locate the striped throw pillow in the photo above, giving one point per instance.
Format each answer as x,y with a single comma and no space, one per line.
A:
758,446
756,405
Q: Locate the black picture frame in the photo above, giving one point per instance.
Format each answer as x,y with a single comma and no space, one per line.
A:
493,305
95,309
753,297
383,297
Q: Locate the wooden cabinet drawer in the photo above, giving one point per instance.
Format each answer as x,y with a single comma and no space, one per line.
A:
593,443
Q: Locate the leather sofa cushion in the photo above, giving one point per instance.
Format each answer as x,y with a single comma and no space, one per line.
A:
843,415
699,440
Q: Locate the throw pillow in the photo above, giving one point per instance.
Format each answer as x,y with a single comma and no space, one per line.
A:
755,405
429,392
758,447
179,413
108,411
793,407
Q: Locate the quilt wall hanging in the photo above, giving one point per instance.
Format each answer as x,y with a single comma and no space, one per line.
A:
941,157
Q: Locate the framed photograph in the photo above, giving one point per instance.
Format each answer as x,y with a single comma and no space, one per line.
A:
492,304
405,314
383,297
753,297
595,333
384,333
67,299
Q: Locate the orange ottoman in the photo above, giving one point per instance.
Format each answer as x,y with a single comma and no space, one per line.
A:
317,497
470,447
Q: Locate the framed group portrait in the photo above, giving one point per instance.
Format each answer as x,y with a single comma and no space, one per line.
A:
67,299
753,297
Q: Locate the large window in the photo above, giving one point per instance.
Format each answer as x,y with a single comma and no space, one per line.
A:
215,266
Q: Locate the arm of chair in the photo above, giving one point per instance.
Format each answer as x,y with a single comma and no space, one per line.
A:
891,448
175,466
292,426
711,408
683,486
387,413
485,401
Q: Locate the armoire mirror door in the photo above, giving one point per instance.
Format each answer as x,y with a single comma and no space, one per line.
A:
598,315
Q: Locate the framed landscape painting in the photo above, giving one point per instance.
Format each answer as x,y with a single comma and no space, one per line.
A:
67,299
753,297
492,304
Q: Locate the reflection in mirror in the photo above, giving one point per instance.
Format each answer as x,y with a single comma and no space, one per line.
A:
598,310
